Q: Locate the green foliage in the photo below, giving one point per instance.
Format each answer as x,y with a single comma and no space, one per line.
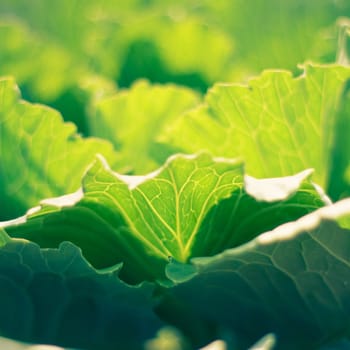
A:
40,155
193,206
173,190
55,297
284,280
141,114
278,124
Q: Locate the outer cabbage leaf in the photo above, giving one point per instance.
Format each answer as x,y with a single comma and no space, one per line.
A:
133,119
279,124
40,156
53,296
192,206
292,281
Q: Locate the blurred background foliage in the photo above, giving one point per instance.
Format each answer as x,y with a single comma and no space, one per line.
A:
54,48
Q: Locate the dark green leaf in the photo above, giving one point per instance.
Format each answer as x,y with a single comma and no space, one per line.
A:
53,296
293,281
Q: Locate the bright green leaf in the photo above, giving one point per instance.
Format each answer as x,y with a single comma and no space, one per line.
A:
192,206
40,156
133,119
279,124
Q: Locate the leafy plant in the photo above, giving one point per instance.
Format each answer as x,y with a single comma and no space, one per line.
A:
193,206
203,206
279,124
40,155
